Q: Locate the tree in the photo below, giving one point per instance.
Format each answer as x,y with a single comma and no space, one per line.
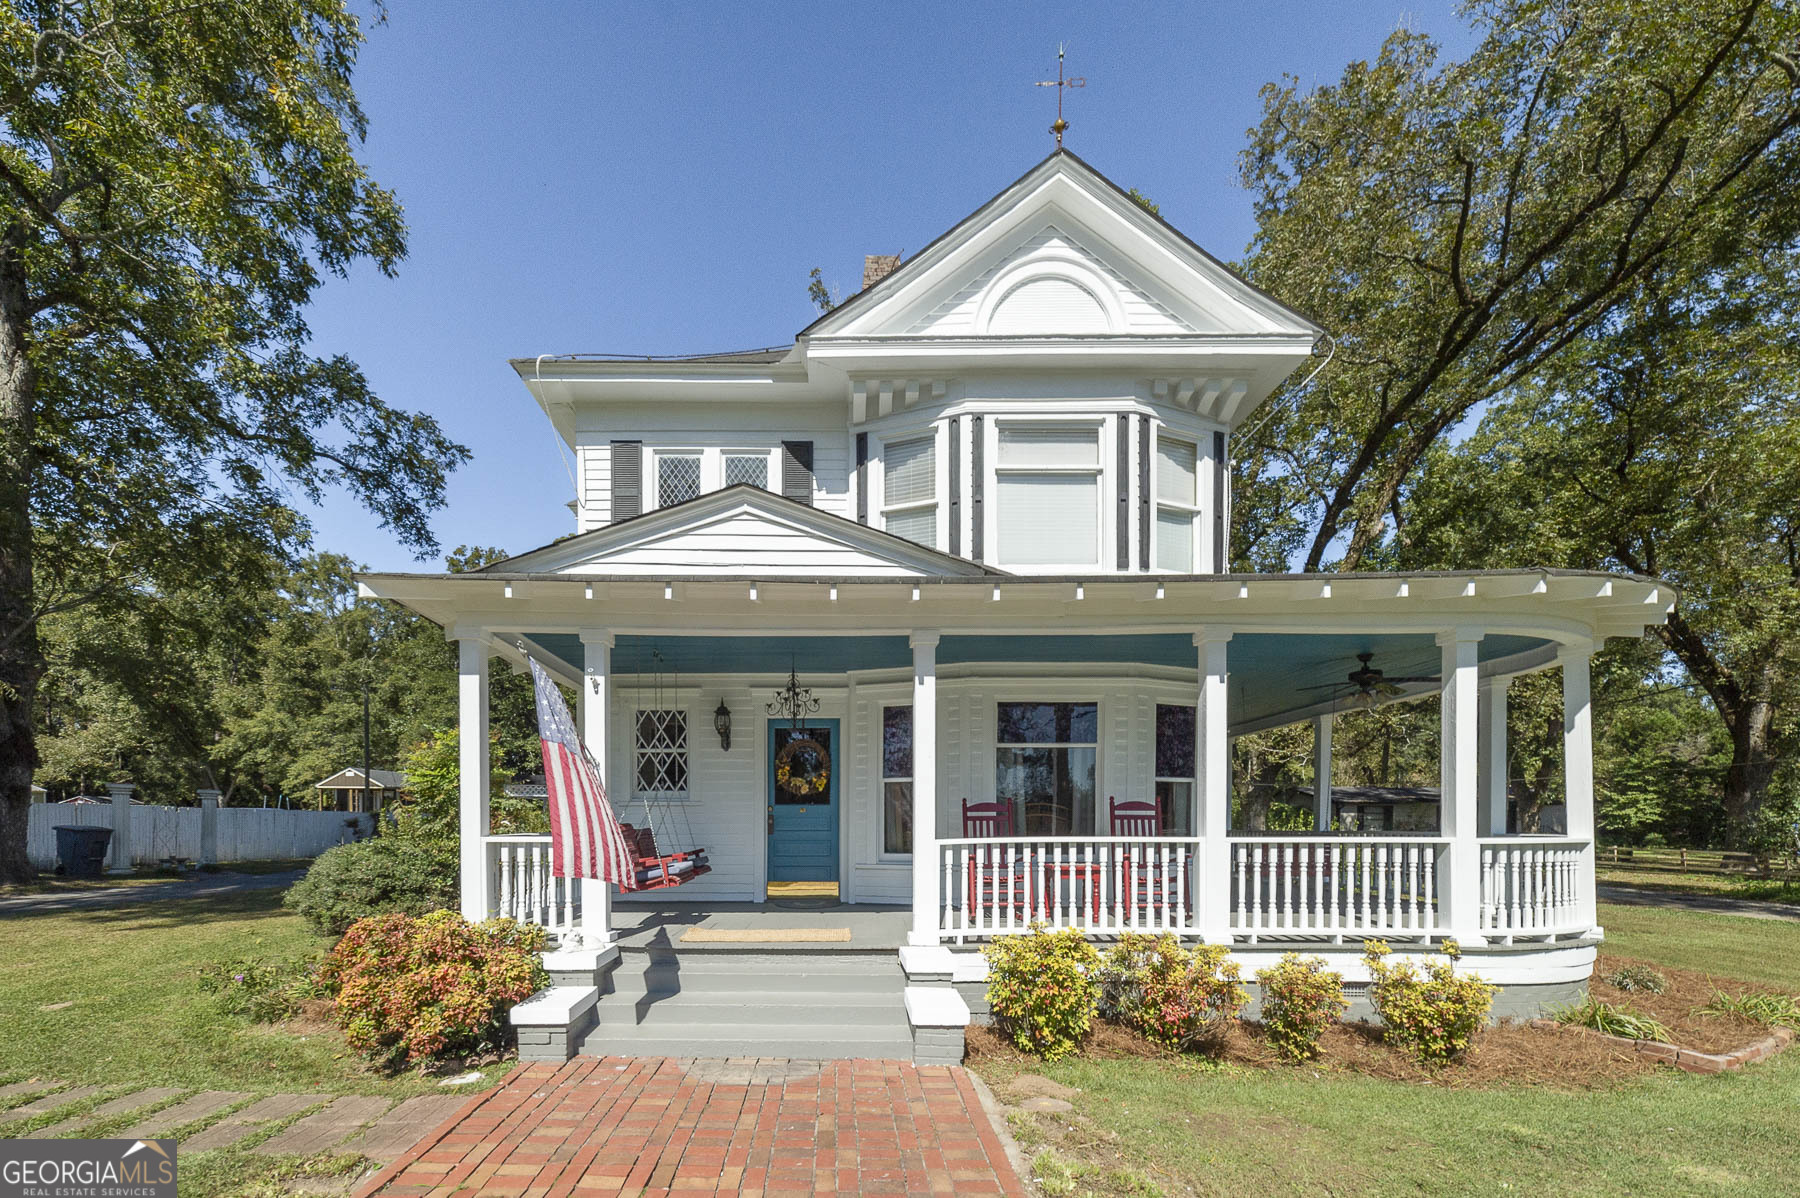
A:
1666,443
177,176
1458,227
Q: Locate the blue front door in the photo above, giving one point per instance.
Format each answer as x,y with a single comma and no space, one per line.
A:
803,802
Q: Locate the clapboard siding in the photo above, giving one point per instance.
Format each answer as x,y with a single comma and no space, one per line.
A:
957,314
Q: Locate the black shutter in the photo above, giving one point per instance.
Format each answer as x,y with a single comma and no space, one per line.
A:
862,478
797,471
1221,480
977,476
955,484
1122,481
627,479
1143,486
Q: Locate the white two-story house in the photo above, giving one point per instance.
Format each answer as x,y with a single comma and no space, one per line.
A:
932,609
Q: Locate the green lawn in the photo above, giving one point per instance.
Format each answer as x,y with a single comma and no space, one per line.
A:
1737,886
1191,1125
136,1013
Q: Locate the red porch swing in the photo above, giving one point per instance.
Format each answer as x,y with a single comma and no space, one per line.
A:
653,868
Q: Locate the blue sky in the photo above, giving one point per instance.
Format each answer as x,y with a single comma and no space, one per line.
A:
661,178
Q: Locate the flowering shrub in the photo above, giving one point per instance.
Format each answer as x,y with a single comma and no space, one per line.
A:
263,991
410,990
1434,1014
1042,989
1300,999
1174,996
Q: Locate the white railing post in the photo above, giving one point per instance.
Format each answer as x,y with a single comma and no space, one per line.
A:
596,707
472,757
1459,862
1578,775
1212,790
924,848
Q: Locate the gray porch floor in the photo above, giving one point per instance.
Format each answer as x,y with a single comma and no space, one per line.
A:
660,925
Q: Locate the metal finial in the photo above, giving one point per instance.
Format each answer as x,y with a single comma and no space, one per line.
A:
1060,126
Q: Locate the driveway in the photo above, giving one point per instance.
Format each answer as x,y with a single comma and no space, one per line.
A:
1640,896
198,886
611,1125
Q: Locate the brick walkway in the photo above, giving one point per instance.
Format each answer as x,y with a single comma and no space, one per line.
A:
658,1126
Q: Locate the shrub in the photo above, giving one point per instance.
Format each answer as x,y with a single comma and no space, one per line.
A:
388,875
412,990
1637,978
1603,1016
1042,988
1432,1014
263,991
1300,999
1179,998
1768,1009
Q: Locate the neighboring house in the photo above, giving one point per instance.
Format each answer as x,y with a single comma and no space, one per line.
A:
348,790
39,794
979,514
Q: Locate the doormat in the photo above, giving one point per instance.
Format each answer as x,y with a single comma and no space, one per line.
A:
803,890
765,935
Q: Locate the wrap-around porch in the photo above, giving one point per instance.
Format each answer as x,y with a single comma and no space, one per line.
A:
1099,820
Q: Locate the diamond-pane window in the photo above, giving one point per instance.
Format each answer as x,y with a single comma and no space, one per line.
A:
677,478
747,468
662,764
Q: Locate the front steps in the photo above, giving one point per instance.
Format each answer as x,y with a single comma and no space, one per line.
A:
801,1005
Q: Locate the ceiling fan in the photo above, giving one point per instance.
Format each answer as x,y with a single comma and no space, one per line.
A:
1372,684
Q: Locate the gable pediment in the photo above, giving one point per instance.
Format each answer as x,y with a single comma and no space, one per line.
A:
741,531
1061,253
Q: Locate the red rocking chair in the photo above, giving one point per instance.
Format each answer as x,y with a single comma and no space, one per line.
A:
995,879
1149,877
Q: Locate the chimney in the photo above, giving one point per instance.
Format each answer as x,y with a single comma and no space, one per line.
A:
877,267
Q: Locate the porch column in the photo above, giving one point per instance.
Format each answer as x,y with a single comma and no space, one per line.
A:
596,707
1459,862
1212,789
1322,726
472,761
924,811
1491,715
1578,772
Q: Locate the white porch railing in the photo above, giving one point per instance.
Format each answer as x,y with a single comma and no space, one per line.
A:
524,888
1529,886
1098,884
1334,886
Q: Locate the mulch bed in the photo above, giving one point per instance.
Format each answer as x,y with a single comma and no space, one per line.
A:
1675,1007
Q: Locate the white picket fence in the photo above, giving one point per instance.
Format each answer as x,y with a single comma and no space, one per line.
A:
159,833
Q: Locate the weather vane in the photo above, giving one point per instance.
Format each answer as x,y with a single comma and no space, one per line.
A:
1061,85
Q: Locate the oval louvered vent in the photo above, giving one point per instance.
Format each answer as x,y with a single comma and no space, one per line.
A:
1048,306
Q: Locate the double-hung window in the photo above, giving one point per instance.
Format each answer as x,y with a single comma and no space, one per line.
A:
1046,755
1047,483
1175,768
896,780
677,477
1177,503
909,489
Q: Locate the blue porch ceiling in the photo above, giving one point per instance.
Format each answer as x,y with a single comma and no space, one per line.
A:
1269,671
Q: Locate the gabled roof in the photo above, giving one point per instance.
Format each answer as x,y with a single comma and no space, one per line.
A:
352,779
739,530
1052,187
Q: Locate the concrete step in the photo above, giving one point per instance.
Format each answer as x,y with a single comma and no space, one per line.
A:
721,960
773,1016
662,981
812,1043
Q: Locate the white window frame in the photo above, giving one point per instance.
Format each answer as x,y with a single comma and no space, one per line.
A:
677,705
935,433
771,466
1195,511
1105,484
658,454
1187,780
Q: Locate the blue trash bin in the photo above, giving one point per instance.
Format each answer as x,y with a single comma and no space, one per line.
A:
81,851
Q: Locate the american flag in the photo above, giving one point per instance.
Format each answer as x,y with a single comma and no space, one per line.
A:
585,841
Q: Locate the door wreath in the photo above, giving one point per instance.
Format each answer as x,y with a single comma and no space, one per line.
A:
803,767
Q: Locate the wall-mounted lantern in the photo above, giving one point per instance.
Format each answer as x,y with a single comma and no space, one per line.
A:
722,723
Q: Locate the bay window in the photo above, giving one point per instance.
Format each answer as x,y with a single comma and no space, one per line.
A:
1047,487
896,780
909,489
1175,768
1177,503
1046,757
